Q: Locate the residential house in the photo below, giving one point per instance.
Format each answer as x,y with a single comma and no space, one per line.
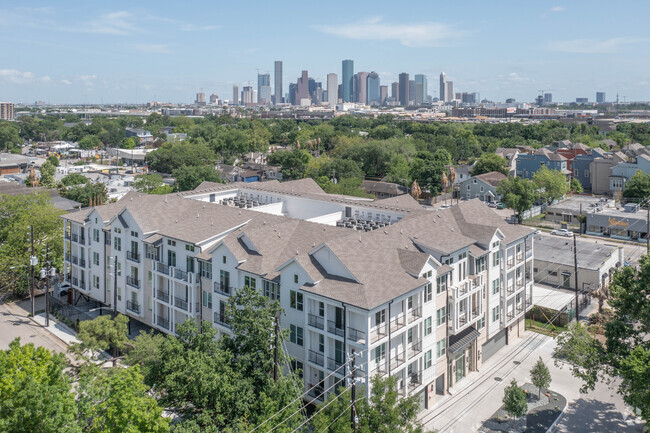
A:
529,163
140,134
383,189
580,167
483,186
510,155
622,172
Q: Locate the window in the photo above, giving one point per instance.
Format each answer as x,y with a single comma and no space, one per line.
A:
296,335
496,258
380,353
295,300
207,299
189,264
150,278
441,347
552,273
427,359
409,303
586,173
321,343
134,234
576,172
427,326
96,281
95,259
468,187
295,278
480,324
117,230
96,235
224,281
250,282
224,259
496,313
495,244
442,284
171,243
380,317
441,315
117,243
495,286
428,292
297,367
409,336
482,188
171,258
321,309
480,264
189,247
206,269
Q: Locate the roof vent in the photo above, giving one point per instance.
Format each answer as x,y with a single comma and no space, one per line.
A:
313,245
385,232
452,229
401,232
176,221
296,252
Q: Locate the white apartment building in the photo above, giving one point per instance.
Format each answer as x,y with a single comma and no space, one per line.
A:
425,296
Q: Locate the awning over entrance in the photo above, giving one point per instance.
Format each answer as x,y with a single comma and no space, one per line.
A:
463,339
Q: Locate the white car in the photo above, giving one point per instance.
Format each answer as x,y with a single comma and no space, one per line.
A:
562,232
63,289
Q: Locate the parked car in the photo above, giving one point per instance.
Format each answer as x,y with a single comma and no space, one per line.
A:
537,232
62,290
562,232
501,205
492,204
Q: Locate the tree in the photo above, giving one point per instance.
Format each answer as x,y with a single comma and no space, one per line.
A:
489,162
576,186
89,142
74,179
540,376
638,187
86,193
514,400
398,171
47,175
148,183
101,334
173,155
627,348
187,178
129,143
551,183
9,136
518,194
294,162
35,393
115,401
54,160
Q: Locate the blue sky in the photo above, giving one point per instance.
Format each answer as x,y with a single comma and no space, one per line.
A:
138,51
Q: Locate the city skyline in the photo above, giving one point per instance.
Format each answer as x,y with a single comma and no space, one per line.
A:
80,53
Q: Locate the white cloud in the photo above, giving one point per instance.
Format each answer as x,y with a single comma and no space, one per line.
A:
513,76
15,76
152,48
594,46
558,9
112,23
424,34
66,82
194,28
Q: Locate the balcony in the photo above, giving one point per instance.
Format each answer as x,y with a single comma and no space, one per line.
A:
133,256
511,262
133,282
510,315
475,313
222,289
415,349
133,307
398,322
82,262
316,392
334,365
510,289
520,257
379,366
75,260
335,328
529,254
462,289
181,275
462,319
378,333
74,237
519,308
162,268
162,322
476,280
221,319
397,360
161,295
356,335
414,314
67,236
415,380
317,322
181,303
316,357
75,281
67,257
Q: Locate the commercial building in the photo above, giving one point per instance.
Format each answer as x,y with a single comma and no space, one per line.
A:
264,80
554,263
360,87
302,88
404,89
373,96
200,99
394,91
570,209
347,75
235,94
443,87
332,89
626,223
600,97
421,92
277,76
6,111
449,91
383,95
425,297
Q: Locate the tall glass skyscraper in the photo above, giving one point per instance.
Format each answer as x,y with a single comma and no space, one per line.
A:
404,89
263,80
372,89
421,92
347,76
277,98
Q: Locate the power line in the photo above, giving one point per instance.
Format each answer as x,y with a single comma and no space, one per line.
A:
320,410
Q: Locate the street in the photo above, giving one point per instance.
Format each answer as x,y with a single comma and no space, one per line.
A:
601,410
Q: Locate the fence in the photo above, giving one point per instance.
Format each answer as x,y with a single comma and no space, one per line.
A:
70,314
534,211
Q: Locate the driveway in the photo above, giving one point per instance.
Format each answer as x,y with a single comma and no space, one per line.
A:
15,323
602,410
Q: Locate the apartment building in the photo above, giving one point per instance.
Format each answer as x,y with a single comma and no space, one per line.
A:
425,296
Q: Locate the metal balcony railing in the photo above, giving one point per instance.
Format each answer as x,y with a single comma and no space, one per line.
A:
415,349
333,364
162,322
397,360
510,315
315,321
162,295
67,236
335,328
75,237
133,256
356,335
462,319
475,313
181,275
132,306
132,281
75,281
398,322
67,257
221,319
510,289
520,257
511,262
378,333
75,260
162,268
415,380
414,314
82,285
316,357
82,262
181,303
316,392
222,289
380,367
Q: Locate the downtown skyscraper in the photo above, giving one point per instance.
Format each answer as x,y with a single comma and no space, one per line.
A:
443,87
347,76
332,89
372,89
277,96
404,89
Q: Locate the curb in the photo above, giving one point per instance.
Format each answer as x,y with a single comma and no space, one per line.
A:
552,427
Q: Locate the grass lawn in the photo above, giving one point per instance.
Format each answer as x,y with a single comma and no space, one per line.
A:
544,328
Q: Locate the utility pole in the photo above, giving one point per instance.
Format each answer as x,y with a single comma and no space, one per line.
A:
32,264
48,280
275,350
647,230
575,273
353,395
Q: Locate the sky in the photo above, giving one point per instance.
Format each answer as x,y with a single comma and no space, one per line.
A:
68,52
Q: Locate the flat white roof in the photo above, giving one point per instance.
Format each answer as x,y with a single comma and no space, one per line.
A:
552,298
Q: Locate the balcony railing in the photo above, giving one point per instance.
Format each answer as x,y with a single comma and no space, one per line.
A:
356,335
82,262
520,257
162,322
315,321
414,314
335,328
162,295
74,237
397,360
415,380
75,260
519,308
181,303
334,365
379,367
75,281
82,285
162,268
181,275
316,357
133,256
132,306
477,280
511,262
398,322
67,236
475,313
316,392
378,333
510,315
415,349
132,281
510,289
221,319
462,319
222,289
462,289
67,257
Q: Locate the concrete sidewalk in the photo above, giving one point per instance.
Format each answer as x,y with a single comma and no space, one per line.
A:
481,395
58,329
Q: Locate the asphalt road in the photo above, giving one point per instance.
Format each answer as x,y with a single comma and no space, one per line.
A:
15,323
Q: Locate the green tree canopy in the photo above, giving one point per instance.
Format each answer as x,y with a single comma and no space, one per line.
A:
150,184
89,142
47,175
638,188
173,155
552,184
489,162
293,162
576,186
86,192
54,160
514,400
101,334
187,178
518,194
74,179
540,376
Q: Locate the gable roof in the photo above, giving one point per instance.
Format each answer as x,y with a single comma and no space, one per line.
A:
492,178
